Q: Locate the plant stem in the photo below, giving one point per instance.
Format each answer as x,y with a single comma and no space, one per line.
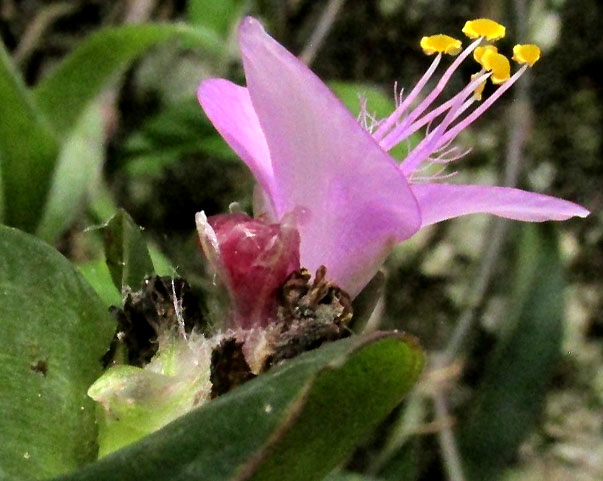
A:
320,32
448,447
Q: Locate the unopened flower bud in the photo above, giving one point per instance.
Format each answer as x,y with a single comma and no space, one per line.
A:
253,259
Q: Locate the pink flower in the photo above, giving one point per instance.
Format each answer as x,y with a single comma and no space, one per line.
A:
315,162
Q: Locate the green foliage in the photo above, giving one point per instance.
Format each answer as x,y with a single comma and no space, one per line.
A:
334,395
261,430
179,129
404,465
27,150
52,148
76,174
98,276
64,94
54,332
43,134
218,17
126,252
518,371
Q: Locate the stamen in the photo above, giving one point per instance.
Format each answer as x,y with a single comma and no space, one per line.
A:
484,27
477,93
477,81
396,114
440,44
463,124
387,143
435,148
497,63
450,155
397,96
399,133
480,51
365,118
363,114
527,54
432,141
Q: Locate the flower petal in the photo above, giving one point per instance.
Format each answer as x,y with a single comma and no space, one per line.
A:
229,108
352,198
439,202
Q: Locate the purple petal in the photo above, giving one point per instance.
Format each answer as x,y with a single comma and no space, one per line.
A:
439,202
354,202
229,108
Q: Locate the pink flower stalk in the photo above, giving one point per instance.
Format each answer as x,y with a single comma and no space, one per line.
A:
314,161
253,259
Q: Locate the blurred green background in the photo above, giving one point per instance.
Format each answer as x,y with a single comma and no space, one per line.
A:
98,111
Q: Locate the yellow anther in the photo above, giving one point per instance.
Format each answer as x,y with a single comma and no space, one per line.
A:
477,93
526,54
484,27
478,53
498,64
440,44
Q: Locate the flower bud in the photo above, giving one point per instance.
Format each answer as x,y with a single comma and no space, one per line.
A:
253,259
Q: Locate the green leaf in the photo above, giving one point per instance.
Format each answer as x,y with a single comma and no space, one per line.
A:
338,412
64,94
163,266
77,172
296,422
178,124
519,370
1,192
103,205
127,255
220,16
54,332
179,129
98,276
27,150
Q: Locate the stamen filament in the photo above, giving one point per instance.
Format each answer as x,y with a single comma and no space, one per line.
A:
463,124
396,114
435,113
398,134
421,151
432,141
447,157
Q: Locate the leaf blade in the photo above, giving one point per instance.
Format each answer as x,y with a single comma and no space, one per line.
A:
290,456
518,371
54,332
225,439
65,92
78,169
126,252
27,150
